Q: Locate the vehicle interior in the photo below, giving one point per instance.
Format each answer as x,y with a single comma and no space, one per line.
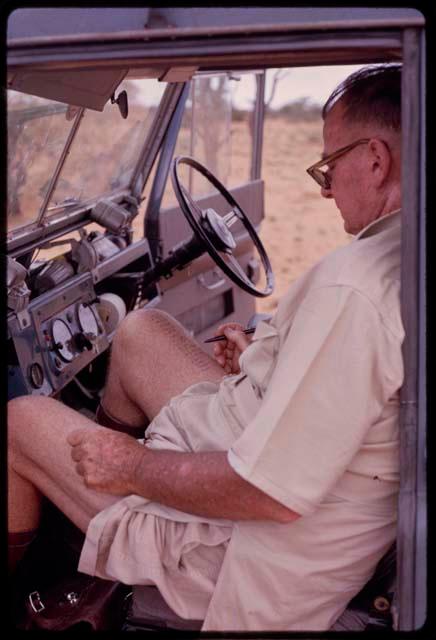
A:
122,194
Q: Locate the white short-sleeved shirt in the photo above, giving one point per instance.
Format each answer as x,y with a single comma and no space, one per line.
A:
311,420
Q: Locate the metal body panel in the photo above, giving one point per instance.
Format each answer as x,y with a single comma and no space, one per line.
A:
151,219
412,510
43,23
202,283
259,113
244,51
195,293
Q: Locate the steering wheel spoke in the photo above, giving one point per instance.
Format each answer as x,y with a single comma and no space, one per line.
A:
231,217
236,266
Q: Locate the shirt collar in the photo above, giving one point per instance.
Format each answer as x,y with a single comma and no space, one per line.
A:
387,221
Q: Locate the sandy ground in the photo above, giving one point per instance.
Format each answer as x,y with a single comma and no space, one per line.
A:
299,226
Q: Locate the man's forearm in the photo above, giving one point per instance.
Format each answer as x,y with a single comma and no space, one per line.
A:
203,484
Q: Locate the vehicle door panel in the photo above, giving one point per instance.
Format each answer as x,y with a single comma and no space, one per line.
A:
201,296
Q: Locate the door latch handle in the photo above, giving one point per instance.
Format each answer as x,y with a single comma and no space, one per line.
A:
215,285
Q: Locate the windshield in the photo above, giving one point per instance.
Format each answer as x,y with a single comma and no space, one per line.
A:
37,132
103,154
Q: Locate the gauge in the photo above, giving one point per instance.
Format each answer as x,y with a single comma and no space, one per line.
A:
87,320
62,340
36,375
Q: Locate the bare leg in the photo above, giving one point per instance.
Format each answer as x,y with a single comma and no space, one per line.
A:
39,463
152,360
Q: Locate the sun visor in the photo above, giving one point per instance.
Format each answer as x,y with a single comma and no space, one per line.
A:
89,88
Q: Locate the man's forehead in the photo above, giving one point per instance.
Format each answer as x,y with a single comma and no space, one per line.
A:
337,131
334,118
334,131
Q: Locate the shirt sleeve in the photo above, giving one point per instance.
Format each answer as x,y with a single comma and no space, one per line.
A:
336,369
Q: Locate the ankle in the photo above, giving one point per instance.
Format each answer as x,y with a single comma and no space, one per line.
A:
106,419
18,543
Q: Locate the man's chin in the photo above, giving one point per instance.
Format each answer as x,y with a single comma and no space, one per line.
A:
349,229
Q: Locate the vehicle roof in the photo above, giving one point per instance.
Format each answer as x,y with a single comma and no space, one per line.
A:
52,22
89,51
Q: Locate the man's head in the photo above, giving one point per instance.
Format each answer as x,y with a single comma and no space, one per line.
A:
362,118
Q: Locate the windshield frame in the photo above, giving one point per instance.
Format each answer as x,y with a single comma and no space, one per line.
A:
65,151
22,238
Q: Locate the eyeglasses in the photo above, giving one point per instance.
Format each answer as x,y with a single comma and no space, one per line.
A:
322,177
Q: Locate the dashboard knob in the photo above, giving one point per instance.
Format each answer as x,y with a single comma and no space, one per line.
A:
82,342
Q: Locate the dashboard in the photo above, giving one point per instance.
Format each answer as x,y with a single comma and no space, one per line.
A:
57,333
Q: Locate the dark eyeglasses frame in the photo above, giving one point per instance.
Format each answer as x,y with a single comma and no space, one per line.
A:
321,177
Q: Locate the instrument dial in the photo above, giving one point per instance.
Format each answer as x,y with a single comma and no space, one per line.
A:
36,375
62,340
87,320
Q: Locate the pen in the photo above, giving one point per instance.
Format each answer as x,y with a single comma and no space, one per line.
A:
222,337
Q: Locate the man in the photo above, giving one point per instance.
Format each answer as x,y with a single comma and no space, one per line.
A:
263,498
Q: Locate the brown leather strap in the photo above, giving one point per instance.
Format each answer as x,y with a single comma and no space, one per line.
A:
103,417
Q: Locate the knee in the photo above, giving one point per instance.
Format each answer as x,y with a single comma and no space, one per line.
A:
18,410
22,416
18,413
140,327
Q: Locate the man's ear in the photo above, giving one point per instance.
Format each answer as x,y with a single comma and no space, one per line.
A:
380,159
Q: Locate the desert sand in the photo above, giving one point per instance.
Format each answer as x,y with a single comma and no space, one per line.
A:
300,226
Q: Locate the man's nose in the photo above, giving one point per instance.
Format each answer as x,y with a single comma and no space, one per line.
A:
326,193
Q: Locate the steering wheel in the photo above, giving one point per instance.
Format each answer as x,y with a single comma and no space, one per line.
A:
214,232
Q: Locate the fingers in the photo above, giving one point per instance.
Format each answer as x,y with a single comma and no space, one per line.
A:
227,352
226,356
80,468
231,325
80,435
238,338
77,453
76,437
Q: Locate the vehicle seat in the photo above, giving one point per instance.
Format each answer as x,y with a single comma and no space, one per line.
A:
372,607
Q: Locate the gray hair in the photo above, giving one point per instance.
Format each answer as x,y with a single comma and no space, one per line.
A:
371,94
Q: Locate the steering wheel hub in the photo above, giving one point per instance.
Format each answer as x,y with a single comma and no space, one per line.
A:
217,230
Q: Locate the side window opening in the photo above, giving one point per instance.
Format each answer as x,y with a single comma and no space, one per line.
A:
300,226
217,130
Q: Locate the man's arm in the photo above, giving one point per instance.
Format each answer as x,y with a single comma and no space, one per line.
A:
200,483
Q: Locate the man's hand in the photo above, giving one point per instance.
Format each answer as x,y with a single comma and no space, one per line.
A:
202,483
106,459
227,352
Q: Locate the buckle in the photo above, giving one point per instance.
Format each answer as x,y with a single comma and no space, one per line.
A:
36,602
